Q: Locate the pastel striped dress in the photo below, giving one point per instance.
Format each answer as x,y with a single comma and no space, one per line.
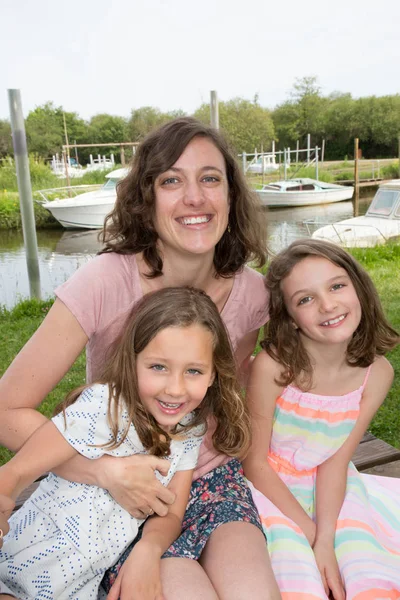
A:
307,430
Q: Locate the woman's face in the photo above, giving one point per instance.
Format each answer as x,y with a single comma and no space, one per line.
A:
192,203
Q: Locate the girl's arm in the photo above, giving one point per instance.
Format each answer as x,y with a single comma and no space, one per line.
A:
262,392
36,370
44,450
139,577
332,474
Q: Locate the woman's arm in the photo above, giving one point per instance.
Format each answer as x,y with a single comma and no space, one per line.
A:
44,450
262,392
332,476
244,355
36,370
139,577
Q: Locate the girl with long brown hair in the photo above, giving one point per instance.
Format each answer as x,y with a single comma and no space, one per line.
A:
312,393
171,370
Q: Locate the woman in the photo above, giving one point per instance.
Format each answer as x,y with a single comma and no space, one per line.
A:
183,216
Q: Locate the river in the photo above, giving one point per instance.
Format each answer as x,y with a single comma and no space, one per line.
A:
62,252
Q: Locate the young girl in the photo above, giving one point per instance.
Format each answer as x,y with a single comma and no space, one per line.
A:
171,370
312,393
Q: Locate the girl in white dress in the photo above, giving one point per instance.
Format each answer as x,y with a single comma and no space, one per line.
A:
169,372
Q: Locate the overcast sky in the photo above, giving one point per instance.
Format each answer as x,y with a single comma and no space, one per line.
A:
113,56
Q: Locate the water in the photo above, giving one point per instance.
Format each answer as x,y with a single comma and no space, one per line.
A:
62,252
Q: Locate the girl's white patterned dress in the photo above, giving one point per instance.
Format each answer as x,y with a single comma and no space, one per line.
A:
67,534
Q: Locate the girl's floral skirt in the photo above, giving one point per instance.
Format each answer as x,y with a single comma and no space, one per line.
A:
220,496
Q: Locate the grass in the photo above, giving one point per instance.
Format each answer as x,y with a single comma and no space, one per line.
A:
382,263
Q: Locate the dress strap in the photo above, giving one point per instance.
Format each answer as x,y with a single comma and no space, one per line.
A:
366,376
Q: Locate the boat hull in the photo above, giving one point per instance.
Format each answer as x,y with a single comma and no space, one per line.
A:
274,199
80,216
361,232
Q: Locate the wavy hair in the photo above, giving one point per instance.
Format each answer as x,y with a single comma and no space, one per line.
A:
373,336
129,228
173,307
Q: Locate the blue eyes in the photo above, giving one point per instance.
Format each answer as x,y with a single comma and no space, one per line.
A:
334,288
162,368
175,180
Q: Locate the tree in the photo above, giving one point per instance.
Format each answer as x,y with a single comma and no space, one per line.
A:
246,124
6,146
45,129
145,119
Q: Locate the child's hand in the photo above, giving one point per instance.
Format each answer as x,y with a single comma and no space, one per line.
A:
328,567
6,506
139,577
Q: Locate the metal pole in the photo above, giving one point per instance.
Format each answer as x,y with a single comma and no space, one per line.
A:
308,148
25,191
297,152
214,113
399,153
323,153
316,162
356,182
262,163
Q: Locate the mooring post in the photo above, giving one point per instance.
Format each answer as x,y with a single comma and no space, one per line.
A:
356,181
25,191
214,113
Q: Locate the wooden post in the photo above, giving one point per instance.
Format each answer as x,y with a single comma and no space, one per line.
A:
322,153
316,162
214,115
356,181
297,152
284,164
25,191
308,148
122,156
262,163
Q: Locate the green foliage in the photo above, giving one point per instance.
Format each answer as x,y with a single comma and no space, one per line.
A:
5,138
391,171
10,213
145,119
246,124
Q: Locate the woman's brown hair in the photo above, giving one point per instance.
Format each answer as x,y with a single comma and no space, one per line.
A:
129,228
173,307
374,336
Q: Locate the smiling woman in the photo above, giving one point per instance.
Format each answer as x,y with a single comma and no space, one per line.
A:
184,216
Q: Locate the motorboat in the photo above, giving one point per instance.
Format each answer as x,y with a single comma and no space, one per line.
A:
85,210
264,163
380,223
302,192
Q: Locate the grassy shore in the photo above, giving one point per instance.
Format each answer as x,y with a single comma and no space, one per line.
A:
383,264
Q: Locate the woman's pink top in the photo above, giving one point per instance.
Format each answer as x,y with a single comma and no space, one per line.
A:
102,293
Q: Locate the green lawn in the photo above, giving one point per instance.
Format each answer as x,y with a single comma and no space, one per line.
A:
383,264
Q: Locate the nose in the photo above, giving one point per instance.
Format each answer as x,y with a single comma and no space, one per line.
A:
175,385
193,194
327,303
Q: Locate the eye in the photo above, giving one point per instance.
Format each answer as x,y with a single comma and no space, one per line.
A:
157,368
210,179
169,181
304,300
338,286
194,372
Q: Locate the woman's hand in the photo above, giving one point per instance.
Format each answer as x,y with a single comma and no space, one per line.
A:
328,567
6,507
139,577
132,483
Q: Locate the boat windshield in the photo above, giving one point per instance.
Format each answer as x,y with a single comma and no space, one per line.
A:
110,184
383,202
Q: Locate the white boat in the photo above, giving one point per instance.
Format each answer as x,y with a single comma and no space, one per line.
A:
380,223
85,210
257,166
302,192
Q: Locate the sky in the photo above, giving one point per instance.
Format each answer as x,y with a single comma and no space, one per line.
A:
113,56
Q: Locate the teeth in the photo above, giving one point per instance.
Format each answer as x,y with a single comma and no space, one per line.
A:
167,405
195,220
333,321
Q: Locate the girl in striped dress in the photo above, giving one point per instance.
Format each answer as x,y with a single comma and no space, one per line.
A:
313,390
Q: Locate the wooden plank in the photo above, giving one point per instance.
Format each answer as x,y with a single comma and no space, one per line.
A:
374,452
367,437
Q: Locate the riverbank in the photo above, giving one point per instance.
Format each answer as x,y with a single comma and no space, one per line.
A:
383,264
